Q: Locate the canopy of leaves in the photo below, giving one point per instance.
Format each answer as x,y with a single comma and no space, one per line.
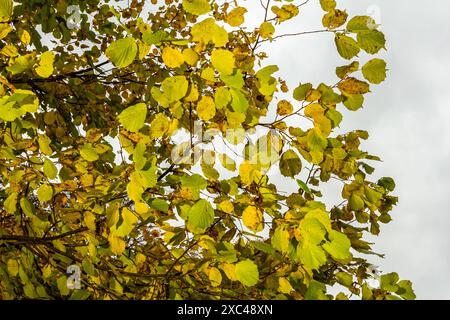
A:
90,174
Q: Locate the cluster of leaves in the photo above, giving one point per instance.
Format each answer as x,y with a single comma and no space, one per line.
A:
87,116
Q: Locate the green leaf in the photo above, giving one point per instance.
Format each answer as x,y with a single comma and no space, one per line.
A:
122,52
21,64
88,153
303,186
239,103
194,181
387,183
50,169
353,102
389,281
160,205
375,71
346,46
405,290
344,71
316,291
371,41
290,164
200,216
234,81
247,273
155,38
301,92
133,118
345,279
227,162
27,208
355,203
360,23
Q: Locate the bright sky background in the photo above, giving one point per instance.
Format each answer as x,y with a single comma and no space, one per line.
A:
407,118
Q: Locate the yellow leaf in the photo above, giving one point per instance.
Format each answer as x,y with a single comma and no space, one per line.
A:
193,94
159,126
10,51
143,49
208,31
230,270
190,56
13,267
196,7
223,61
5,29
284,286
172,57
247,171
215,277
226,206
25,37
89,220
206,108
45,64
253,219
284,108
266,30
117,244
236,16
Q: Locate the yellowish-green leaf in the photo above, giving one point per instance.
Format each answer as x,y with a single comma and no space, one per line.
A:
290,164
346,46
50,169
45,193
222,97
133,118
88,153
200,216
175,88
247,273
196,7
375,71
6,10
122,52
10,203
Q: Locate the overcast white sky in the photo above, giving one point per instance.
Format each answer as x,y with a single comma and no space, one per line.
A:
407,118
